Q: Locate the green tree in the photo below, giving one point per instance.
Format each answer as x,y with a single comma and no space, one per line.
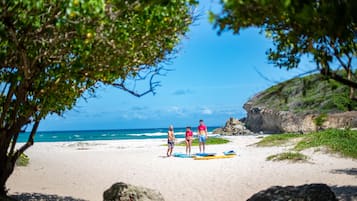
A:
53,52
323,29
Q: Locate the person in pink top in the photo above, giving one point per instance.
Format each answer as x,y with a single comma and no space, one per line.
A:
188,139
202,136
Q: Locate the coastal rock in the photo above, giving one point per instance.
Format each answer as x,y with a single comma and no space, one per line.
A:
126,192
298,105
233,127
260,118
315,192
270,121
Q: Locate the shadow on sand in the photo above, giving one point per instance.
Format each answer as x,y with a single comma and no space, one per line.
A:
350,171
345,193
42,197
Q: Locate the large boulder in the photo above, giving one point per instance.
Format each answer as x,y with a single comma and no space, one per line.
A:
308,192
126,192
271,121
297,105
232,127
260,118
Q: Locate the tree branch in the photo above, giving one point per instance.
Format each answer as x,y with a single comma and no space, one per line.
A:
338,78
6,106
152,85
29,142
335,53
279,82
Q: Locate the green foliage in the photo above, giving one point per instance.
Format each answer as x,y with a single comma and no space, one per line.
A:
210,141
343,142
309,94
23,160
321,29
277,139
320,119
290,156
339,141
54,51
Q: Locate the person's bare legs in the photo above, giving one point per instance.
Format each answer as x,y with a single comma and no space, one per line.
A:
200,145
203,147
171,151
187,146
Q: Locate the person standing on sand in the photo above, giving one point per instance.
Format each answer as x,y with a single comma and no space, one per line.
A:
188,139
170,141
202,136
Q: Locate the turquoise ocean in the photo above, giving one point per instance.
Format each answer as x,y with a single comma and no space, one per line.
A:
119,134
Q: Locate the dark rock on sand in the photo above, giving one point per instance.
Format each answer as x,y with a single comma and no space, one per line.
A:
126,192
233,127
308,192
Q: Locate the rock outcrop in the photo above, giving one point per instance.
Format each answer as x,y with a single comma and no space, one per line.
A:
126,192
315,192
272,121
297,105
233,127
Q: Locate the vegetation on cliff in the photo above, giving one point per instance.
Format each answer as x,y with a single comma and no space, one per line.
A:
309,94
343,142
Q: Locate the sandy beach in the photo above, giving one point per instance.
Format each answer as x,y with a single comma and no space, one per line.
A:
84,170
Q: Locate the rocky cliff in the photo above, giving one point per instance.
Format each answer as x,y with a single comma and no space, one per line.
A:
301,105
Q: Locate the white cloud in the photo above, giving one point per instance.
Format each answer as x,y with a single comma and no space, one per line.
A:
180,92
207,111
176,110
134,115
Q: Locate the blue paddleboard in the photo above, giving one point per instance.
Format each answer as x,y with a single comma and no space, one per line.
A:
230,152
205,154
181,155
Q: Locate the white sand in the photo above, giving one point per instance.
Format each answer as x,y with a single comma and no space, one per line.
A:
86,169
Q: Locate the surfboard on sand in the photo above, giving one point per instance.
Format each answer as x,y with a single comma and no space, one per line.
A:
182,155
230,152
205,154
213,157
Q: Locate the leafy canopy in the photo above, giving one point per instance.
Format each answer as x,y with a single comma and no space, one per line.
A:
323,29
53,51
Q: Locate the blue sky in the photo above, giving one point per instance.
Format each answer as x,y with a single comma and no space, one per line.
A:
212,77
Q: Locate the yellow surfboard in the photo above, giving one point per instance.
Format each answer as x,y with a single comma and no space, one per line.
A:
213,157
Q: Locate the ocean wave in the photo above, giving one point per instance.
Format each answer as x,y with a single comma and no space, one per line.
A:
147,134
154,134
214,135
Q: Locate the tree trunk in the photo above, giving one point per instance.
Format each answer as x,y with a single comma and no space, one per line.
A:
6,163
8,160
7,167
352,89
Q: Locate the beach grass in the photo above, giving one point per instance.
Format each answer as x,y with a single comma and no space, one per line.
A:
338,141
23,160
277,139
290,156
343,142
210,141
